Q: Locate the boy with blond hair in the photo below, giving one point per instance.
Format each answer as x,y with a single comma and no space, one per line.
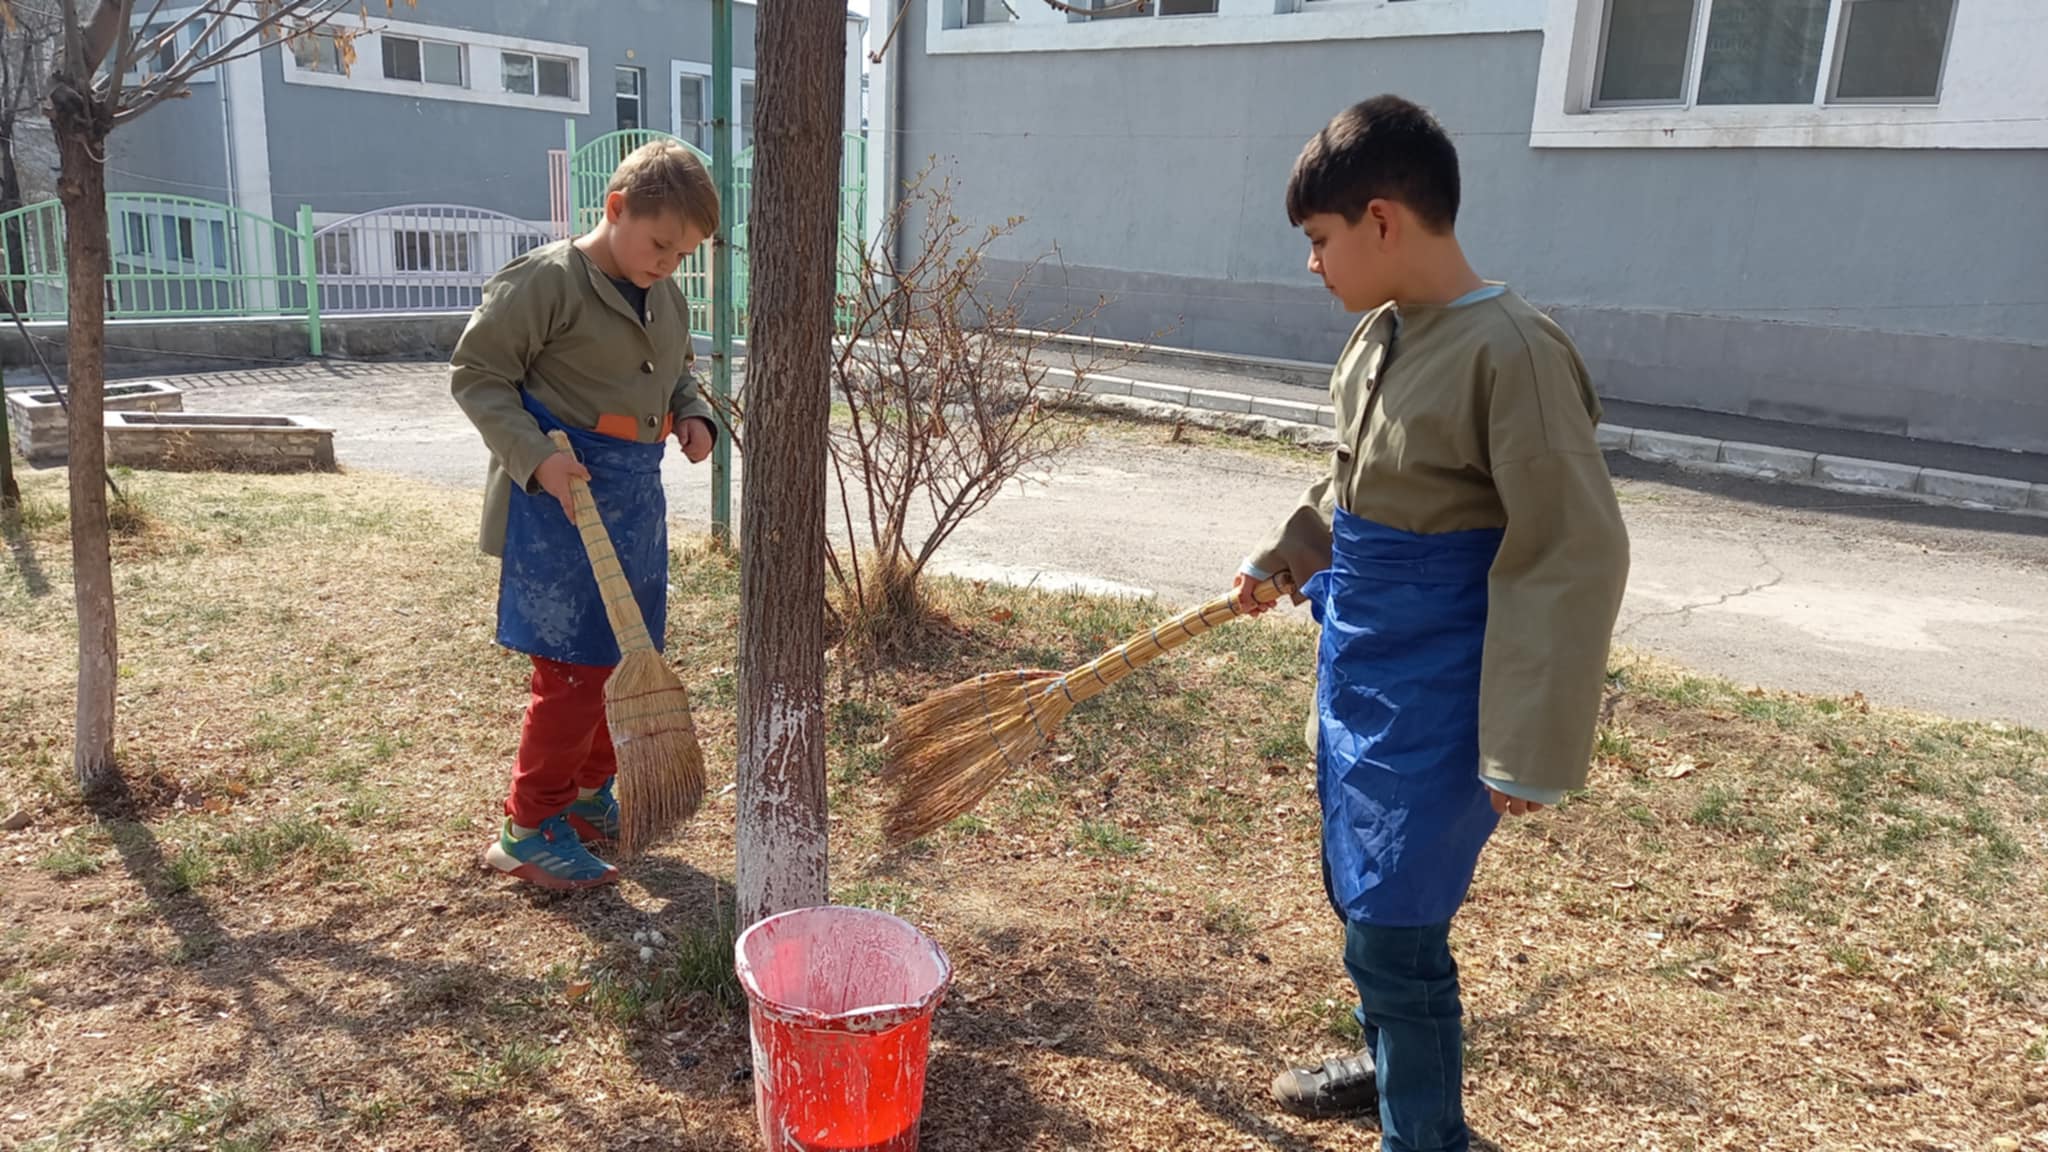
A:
590,337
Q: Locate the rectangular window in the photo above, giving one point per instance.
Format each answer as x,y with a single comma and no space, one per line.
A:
1770,52
335,254
137,228
412,251
1127,9
320,52
1644,52
401,59
443,63
165,57
628,84
557,77
428,61
989,12
743,134
1892,49
177,234
1763,51
530,75
218,232
693,110
451,251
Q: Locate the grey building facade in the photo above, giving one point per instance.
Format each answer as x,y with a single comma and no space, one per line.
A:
1840,222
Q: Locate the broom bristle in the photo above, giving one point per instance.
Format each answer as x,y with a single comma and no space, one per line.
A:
944,754
661,766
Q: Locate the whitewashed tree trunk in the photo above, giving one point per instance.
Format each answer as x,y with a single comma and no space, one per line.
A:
800,53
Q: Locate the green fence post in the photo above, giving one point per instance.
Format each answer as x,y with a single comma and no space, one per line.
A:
309,267
722,263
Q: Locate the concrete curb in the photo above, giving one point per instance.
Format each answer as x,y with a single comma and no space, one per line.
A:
1311,426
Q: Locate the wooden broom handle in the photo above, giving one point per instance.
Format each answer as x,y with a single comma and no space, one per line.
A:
1091,679
620,604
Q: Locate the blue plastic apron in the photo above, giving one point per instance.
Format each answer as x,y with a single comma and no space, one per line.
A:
1397,699
548,601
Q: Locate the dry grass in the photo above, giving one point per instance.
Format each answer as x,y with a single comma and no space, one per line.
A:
1772,923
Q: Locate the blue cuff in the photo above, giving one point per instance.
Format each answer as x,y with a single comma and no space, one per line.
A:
1255,572
1545,796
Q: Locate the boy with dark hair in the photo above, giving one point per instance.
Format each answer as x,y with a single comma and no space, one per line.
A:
591,337
1466,558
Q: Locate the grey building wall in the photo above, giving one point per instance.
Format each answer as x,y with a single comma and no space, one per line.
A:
344,151
179,148
1897,291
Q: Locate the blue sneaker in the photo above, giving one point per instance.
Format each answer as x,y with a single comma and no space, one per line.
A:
553,858
596,819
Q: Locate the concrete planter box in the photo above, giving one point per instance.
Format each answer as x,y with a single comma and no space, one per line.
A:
217,442
41,426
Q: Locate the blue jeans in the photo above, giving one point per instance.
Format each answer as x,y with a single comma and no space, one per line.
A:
1414,1028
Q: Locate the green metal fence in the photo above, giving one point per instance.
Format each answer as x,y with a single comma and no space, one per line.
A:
590,172
175,257
171,257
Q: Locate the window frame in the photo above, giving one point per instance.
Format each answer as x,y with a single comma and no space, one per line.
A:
1827,76
742,79
638,96
1840,35
482,84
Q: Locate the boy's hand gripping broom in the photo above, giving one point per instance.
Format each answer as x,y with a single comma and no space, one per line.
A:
661,768
943,755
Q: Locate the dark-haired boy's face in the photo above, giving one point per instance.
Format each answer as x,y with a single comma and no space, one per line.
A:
1353,259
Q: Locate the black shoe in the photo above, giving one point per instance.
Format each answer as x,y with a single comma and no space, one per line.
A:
1342,1086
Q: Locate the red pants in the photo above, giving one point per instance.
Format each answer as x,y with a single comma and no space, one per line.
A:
564,745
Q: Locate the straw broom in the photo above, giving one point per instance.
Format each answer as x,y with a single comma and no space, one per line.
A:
661,768
943,755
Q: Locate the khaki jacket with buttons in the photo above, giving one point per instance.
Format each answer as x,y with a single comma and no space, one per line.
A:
553,325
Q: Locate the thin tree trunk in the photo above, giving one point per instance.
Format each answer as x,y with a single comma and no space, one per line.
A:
801,50
82,186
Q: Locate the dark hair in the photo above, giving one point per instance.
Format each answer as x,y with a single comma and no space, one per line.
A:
1386,148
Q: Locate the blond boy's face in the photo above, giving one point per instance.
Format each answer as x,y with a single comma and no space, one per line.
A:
648,248
1354,260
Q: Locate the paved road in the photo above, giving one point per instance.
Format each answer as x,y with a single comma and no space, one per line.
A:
1920,607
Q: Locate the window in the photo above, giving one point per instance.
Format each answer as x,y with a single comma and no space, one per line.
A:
628,83
160,46
743,132
334,253
1125,9
322,52
218,232
989,12
428,61
136,227
165,57
523,244
693,110
420,251
451,251
1893,49
530,75
1750,52
177,234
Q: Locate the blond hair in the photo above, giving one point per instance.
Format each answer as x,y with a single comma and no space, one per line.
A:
665,176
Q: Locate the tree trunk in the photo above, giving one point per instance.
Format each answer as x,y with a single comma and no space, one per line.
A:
82,186
800,50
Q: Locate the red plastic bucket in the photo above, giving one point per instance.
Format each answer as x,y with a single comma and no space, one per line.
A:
841,1001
